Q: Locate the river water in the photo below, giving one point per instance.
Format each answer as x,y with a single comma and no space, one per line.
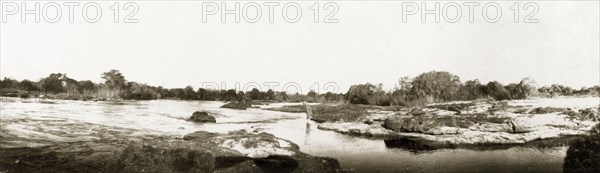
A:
355,154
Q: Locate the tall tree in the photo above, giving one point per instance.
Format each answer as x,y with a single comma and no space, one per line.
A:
313,95
440,85
28,85
53,83
270,95
254,94
114,79
114,82
360,94
497,91
86,85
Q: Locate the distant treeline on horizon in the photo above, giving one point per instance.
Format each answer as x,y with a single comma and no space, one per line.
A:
429,87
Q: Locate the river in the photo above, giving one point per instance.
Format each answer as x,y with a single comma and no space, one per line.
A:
26,119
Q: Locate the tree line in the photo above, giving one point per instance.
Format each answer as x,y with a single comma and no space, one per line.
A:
115,87
429,87
440,86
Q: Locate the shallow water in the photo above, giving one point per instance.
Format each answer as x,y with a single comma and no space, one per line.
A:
29,119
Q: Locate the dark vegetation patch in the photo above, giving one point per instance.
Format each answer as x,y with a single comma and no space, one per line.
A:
583,154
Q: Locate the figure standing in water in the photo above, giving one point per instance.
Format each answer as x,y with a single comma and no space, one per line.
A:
308,115
308,110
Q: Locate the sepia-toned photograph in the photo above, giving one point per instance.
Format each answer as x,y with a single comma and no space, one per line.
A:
307,86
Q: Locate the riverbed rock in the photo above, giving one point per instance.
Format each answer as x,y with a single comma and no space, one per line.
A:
546,110
259,145
394,123
417,112
202,117
484,123
237,105
424,124
289,108
356,128
403,124
444,130
492,127
199,135
521,125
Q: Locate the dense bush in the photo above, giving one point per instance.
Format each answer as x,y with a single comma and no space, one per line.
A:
437,87
441,86
367,94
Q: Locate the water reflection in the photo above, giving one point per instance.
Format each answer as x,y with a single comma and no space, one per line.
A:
408,144
418,146
307,134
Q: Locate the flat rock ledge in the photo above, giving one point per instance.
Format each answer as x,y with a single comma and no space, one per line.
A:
472,124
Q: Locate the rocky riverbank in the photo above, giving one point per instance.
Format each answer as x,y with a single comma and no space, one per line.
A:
196,152
48,144
458,123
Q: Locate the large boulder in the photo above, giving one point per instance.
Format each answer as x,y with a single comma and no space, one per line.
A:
202,117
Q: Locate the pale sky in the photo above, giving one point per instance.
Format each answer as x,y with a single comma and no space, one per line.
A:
172,47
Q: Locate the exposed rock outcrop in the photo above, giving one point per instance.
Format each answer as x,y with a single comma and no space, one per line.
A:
202,117
237,105
479,123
